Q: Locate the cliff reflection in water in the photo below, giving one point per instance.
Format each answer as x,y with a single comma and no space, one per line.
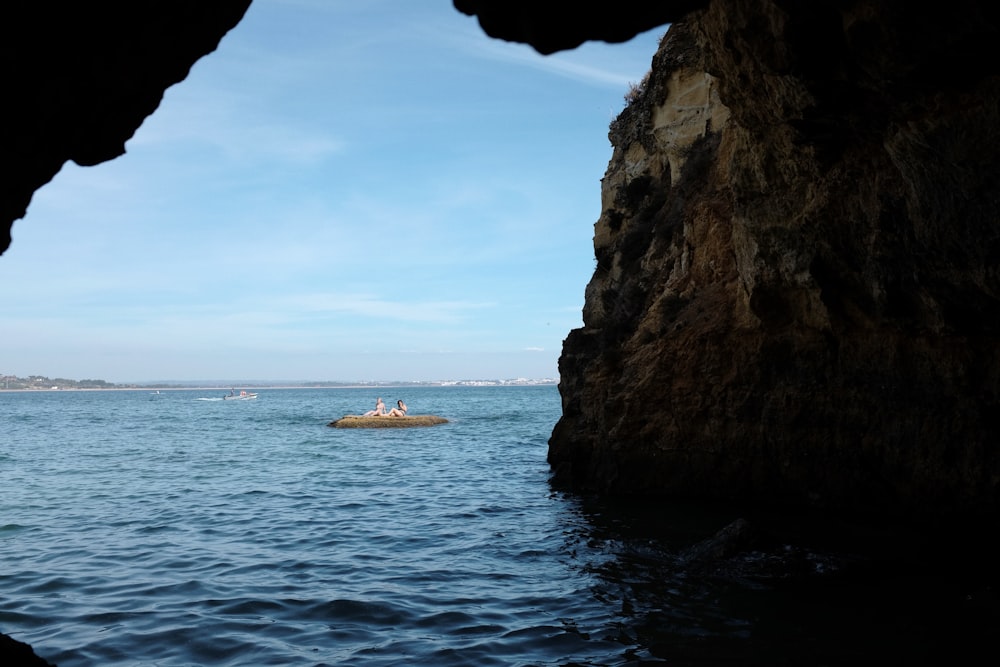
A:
703,586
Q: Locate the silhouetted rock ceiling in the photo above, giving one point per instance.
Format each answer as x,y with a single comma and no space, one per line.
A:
80,78
556,26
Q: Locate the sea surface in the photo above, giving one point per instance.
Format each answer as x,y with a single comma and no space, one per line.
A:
180,529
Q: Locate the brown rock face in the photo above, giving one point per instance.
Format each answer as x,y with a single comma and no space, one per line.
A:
797,291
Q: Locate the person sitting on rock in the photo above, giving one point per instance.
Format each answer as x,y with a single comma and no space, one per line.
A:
400,410
379,410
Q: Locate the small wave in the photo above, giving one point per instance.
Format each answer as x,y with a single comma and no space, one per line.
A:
365,612
12,527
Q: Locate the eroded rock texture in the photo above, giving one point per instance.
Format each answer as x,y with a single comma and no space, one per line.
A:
79,78
797,291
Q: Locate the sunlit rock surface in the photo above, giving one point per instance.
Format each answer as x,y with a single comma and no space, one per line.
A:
383,421
798,266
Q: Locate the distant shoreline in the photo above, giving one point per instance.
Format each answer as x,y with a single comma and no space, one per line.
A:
226,388
194,388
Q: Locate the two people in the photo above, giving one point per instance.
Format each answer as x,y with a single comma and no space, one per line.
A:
379,411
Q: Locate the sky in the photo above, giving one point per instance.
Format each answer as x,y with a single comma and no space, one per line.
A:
342,191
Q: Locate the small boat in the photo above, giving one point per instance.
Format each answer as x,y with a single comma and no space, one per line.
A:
242,396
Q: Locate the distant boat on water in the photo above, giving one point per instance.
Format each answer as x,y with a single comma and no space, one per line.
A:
242,396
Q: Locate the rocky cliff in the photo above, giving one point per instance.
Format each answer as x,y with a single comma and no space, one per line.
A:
797,290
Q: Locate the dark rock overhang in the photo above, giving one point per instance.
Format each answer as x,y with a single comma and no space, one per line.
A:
564,24
80,78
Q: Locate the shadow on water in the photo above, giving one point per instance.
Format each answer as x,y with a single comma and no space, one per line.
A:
703,586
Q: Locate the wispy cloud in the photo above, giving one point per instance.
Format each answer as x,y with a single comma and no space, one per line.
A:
215,121
405,309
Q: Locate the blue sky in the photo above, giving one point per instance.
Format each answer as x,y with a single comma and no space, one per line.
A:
343,191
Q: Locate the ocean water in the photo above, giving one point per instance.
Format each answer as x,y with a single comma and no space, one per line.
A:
180,529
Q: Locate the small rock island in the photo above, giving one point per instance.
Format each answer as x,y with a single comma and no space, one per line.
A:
357,421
